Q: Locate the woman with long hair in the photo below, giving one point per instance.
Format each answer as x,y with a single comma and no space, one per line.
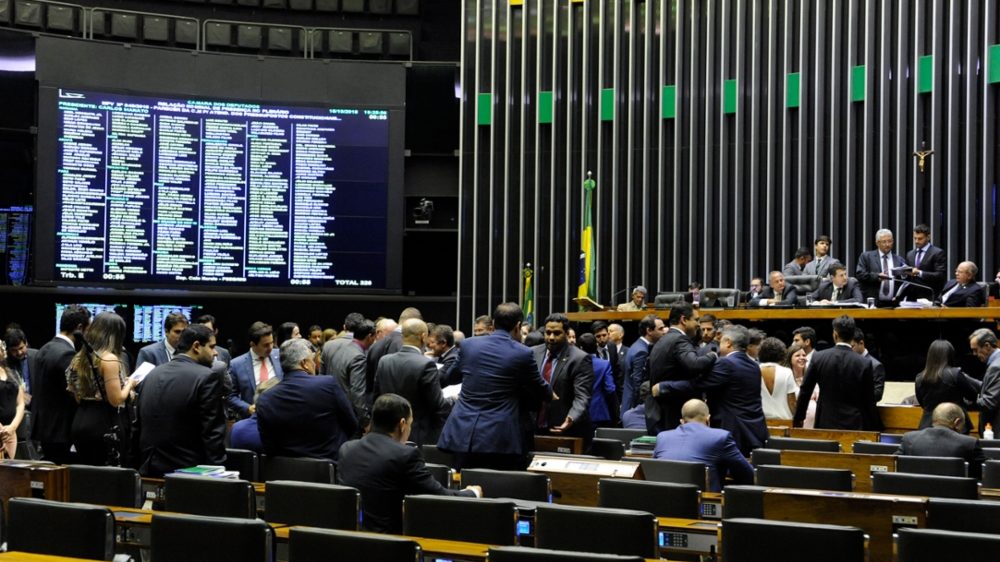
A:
795,359
286,331
941,382
99,381
11,405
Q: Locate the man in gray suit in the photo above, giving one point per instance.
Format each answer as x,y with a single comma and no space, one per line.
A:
797,266
344,358
822,260
414,376
984,345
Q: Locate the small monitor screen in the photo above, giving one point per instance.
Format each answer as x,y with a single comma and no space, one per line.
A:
94,309
147,320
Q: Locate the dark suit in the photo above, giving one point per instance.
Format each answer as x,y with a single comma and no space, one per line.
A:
789,295
53,407
611,353
385,471
847,391
385,346
732,390
954,386
673,358
244,381
572,381
988,400
180,418
305,416
412,375
155,353
696,442
848,294
933,267
500,382
24,368
940,441
867,272
634,373
878,376
222,354
344,358
448,374
970,295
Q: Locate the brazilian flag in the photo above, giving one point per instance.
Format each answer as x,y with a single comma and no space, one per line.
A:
588,268
528,302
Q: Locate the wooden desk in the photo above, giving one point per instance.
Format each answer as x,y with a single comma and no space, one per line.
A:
878,514
29,557
900,419
765,313
558,444
30,479
846,438
862,465
688,536
432,547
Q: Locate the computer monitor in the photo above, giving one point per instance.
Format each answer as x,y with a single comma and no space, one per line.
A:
147,319
94,308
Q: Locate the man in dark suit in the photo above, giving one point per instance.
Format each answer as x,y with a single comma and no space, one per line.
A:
930,266
706,340
414,376
983,343
570,371
344,359
878,369
963,289
500,384
635,369
252,368
875,269
673,358
733,391
607,350
944,439
53,407
389,344
777,292
839,288
221,353
441,343
695,441
22,361
179,414
847,391
162,351
304,415
384,469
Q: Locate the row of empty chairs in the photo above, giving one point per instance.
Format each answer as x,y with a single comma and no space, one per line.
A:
372,7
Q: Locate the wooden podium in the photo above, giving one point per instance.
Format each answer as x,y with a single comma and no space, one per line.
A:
32,479
574,480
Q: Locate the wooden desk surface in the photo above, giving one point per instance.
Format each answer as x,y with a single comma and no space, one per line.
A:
138,517
877,514
29,557
757,314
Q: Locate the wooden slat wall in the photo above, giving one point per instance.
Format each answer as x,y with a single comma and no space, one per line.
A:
708,195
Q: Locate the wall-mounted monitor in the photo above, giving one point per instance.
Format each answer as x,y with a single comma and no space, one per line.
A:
280,177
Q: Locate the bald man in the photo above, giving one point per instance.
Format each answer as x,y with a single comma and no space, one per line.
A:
963,289
695,441
414,376
944,439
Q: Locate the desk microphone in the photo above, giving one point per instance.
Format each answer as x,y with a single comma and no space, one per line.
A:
627,289
907,282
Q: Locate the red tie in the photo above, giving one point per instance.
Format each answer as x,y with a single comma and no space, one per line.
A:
547,369
263,369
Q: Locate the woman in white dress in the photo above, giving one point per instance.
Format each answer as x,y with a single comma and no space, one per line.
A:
777,383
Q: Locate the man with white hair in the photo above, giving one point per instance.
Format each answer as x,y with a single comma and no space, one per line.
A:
304,415
875,269
963,289
637,303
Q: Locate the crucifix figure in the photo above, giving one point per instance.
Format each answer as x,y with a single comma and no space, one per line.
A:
922,155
